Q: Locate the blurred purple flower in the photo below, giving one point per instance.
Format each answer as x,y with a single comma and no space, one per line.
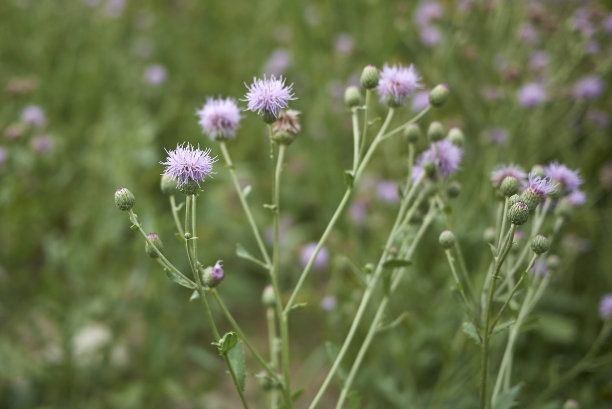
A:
344,43
33,115
320,261
268,96
528,34
328,303
490,93
592,47
430,35
607,24
278,62
219,118
498,135
155,74
397,83
427,12
188,164
386,190
582,22
42,144
114,8
569,179
531,95
359,211
540,186
539,267
605,307
538,60
447,159
588,88
420,101
576,198
511,170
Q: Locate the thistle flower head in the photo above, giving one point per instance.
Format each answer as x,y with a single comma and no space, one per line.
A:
605,307
328,303
447,158
214,275
397,83
576,198
588,88
503,171
33,115
219,118
531,95
542,186
268,97
188,165
561,174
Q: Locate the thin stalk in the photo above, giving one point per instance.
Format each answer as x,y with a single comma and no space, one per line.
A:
459,285
364,130
355,119
243,202
175,216
273,343
410,161
409,122
503,222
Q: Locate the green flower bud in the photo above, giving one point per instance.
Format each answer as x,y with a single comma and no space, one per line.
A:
352,97
168,185
453,190
189,188
531,198
412,133
540,244
439,95
268,117
513,199
283,137
435,132
156,242
456,137
447,239
124,199
429,168
518,213
370,77
509,186
267,297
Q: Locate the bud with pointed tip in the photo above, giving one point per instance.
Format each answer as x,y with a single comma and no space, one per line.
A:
439,95
370,77
214,275
518,213
124,199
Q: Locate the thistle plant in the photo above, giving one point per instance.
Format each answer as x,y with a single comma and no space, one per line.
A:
425,196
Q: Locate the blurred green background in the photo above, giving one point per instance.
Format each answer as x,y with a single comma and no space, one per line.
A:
95,90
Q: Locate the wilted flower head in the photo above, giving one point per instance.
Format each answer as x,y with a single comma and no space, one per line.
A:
288,122
605,307
268,96
531,95
397,83
588,88
561,174
155,74
188,164
321,260
219,118
447,158
33,115
576,198
504,171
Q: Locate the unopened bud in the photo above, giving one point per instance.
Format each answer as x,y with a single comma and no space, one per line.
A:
156,241
352,97
447,239
509,186
286,127
214,275
412,133
531,198
267,297
124,199
370,77
189,188
435,132
439,95
453,190
540,244
455,135
518,213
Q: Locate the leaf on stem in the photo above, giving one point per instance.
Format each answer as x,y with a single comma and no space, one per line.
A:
332,352
493,249
180,236
403,316
235,357
244,253
349,178
396,263
134,227
503,326
470,330
246,191
179,280
227,342
508,399
298,306
194,296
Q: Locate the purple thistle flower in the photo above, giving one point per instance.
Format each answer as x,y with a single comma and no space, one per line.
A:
561,174
359,211
447,159
420,101
588,88
155,74
386,190
217,273
528,34
605,307
592,47
268,96
531,95
504,171
498,135
33,115
427,12
430,35
321,260
42,144
538,60
188,164
540,186
219,118
328,303
576,198
397,83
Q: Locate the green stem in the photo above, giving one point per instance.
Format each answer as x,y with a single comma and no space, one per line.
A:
243,202
411,121
503,222
364,131
175,216
355,120
273,344
459,284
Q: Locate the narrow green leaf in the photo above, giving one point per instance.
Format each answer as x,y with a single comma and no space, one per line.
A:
235,355
179,280
194,296
469,330
270,206
244,253
298,306
134,227
349,178
507,399
493,249
332,353
395,263
503,326
394,323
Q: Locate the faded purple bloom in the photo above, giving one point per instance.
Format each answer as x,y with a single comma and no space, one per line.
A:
344,43
540,267
447,159
397,83
576,198
33,115
588,88
268,96
359,211
328,303
569,179
155,74
386,190
320,261
528,34
278,62
519,235
114,8
420,101
504,171
592,47
599,118
188,164
531,95
605,307
582,22
427,12
219,118
540,186
607,24
538,60
430,35
498,135
42,144
217,273
2,155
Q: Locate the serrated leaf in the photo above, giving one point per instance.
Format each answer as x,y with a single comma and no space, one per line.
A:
246,190
503,326
134,227
396,263
235,356
507,399
493,249
227,342
179,280
470,330
244,253
349,178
